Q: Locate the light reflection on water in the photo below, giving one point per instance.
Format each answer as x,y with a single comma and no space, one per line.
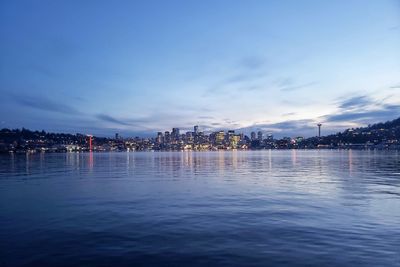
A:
245,208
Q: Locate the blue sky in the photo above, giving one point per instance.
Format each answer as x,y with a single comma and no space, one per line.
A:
137,67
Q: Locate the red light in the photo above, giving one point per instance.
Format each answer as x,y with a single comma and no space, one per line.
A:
90,142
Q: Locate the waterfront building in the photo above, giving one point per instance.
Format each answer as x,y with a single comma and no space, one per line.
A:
159,138
234,140
175,134
167,137
253,136
260,136
220,137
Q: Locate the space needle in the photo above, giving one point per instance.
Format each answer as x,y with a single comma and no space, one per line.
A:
319,129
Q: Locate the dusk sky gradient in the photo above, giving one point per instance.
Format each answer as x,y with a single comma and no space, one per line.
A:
138,67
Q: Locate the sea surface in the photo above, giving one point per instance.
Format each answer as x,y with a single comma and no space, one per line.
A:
225,208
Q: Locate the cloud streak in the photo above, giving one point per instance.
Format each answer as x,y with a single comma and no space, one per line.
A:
355,102
382,114
362,109
291,127
252,63
246,77
289,84
108,118
44,104
290,88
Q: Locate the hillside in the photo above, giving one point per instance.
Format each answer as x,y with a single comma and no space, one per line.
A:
386,132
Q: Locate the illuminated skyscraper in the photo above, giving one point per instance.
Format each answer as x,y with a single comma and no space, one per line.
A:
159,137
234,140
219,137
229,135
90,142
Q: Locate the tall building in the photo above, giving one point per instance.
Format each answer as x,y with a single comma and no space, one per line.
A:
175,134
219,137
159,137
234,140
116,136
229,135
212,138
189,137
319,129
167,137
260,136
196,129
253,136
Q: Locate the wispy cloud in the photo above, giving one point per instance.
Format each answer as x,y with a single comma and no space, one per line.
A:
44,104
297,87
252,62
289,114
382,114
108,118
363,109
291,127
206,117
247,76
289,84
355,102
243,77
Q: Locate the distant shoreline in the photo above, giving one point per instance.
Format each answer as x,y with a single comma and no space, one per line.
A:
196,151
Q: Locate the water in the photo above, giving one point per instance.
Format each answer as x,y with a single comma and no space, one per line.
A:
237,208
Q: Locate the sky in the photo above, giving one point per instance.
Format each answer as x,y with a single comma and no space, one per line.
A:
138,67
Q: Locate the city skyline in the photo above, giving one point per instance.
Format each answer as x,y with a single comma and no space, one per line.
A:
138,68
381,135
